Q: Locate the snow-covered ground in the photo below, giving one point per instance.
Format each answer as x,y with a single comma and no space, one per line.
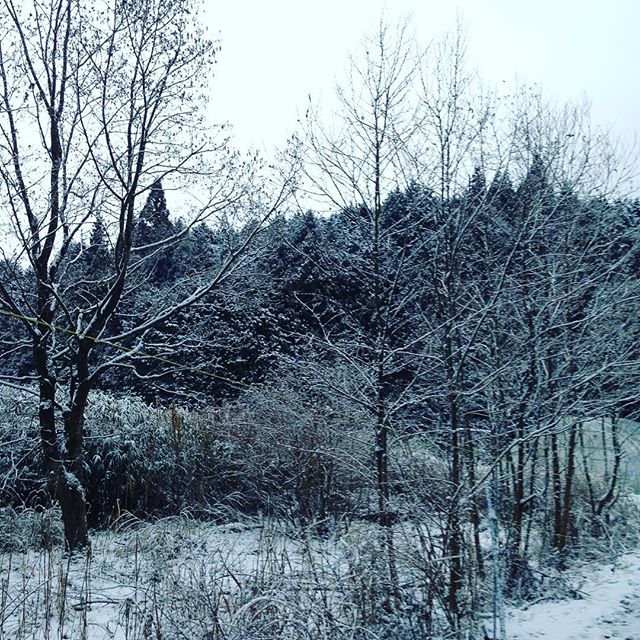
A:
181,578
178,578
609,607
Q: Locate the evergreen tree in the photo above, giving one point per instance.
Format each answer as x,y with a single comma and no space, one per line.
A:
97,254
153,227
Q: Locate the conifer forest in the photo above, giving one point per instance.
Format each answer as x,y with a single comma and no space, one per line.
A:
383,385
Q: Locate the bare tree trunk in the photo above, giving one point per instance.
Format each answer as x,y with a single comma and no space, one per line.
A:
600,507
73,505
556,490
470,457
64,485
563,533
532,497
454,537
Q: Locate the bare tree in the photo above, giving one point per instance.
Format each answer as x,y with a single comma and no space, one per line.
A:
543,355
355,166
98,102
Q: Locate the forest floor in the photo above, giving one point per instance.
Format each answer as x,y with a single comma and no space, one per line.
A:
204,580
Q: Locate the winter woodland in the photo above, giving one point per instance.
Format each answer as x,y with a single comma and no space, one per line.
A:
384,386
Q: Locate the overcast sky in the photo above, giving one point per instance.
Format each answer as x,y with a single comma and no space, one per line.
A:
276,53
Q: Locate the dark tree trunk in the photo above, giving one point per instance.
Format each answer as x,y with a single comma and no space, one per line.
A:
556,483
70,489
563,533
62,469
70,495
455,533
474,508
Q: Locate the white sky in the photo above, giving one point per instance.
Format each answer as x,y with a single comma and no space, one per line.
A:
275,53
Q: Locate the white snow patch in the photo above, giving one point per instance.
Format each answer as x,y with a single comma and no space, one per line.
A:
72,481
610,608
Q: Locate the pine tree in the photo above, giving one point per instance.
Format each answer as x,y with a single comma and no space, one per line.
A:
97,254
153,227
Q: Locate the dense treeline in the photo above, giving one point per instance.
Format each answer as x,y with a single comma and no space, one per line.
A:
305,283
517,341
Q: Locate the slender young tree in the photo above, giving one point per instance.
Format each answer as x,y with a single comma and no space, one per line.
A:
355,167
454,126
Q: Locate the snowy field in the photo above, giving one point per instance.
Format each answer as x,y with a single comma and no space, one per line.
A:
179,578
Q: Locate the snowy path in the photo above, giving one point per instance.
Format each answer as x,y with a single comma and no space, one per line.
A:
610,608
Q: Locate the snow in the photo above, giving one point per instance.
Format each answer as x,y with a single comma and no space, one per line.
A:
188,575
132,576
72,481
609,608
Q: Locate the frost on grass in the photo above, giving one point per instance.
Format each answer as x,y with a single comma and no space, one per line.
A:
175,578
181,578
